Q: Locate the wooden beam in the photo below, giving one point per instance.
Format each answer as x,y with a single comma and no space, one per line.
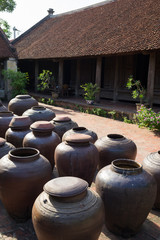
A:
98,75
115,88
77,77
36,75
151,77
60,75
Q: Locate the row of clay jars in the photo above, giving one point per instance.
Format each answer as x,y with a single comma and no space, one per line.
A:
128,192
23,173
68,209
5,119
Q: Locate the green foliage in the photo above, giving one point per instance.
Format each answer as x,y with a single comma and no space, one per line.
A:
18,82
90,90
138,90
126,120
148,118
45,79
7,5
5,27
47,101
113,114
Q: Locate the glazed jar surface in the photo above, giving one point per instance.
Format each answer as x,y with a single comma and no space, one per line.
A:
21,103
39,113
67,209
63,124
77,157
114,146
128,193
5,147
43,138
152,164
80,130
5,119
18,128
23,172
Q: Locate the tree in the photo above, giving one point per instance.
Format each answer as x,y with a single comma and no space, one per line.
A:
8,6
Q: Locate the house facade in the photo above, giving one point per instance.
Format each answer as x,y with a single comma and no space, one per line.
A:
104,44
8,60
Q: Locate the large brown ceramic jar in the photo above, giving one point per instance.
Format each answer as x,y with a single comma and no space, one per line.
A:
5,118
68,210
2,107
77,157
152,164
43,138
23,172
5,147
115,146
128,193
80,130
63,124
39,113
21,103
18,128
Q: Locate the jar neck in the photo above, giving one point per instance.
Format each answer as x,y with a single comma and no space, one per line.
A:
24,154
38,133
126,167
77,144
116,137
70,199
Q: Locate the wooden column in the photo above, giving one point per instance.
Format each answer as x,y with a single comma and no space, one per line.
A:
60,76
151,76
115,89
77,78
36,75
98,75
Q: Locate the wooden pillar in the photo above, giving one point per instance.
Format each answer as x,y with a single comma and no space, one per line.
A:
77,78
151,76
115,89
98,75
60,76
36,75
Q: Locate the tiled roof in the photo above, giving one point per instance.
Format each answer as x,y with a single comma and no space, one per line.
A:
115,27
6,48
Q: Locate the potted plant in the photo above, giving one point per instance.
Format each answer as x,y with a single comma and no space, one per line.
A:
47,82
90,90
138,90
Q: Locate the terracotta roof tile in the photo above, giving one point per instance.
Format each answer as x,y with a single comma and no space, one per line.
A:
111,28
6,48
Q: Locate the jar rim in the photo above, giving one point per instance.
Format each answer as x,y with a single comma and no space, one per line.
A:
127,166
27,153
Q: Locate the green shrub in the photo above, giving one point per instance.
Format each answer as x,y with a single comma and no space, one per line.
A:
146,117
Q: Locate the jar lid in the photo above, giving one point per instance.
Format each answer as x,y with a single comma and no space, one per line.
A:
65,186
20,121
23,96
78,138
42,125
61,119
2,141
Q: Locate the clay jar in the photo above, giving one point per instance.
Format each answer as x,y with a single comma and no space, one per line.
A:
5,118
5,147
23,172
152,164
18,128
80,130
38,113
128,193
68,210
63,124
77,157
43,138
21,103
114,146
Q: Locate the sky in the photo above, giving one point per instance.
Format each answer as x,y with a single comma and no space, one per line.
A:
29,12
